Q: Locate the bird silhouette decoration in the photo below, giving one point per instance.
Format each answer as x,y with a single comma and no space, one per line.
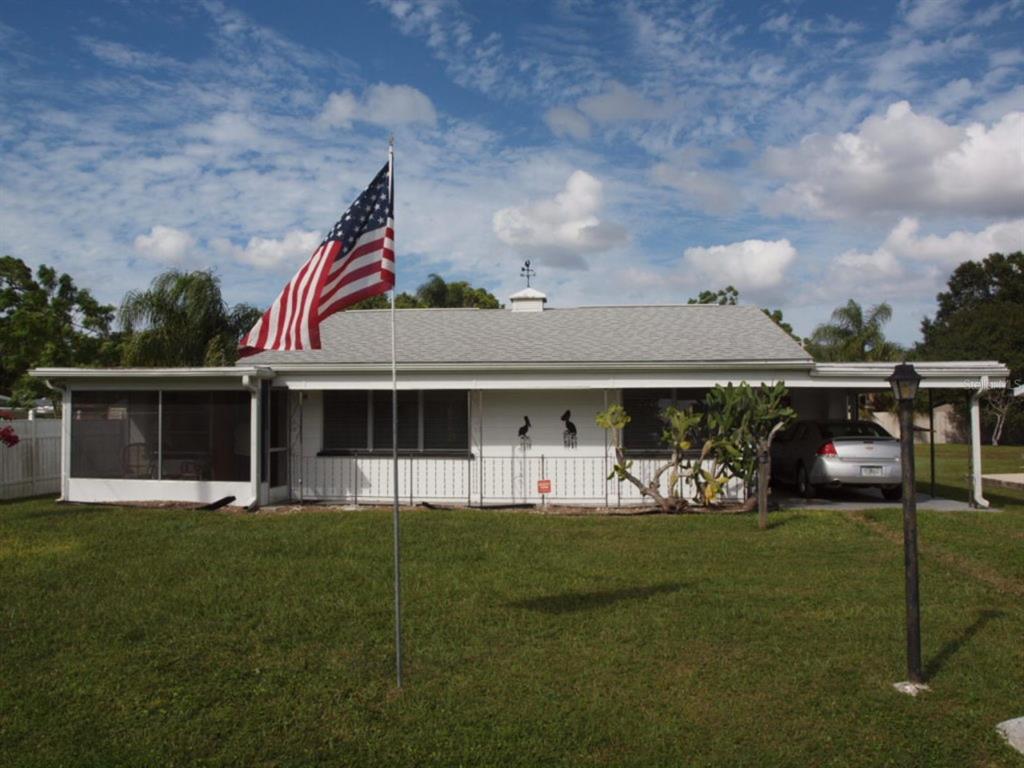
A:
569,434
524,433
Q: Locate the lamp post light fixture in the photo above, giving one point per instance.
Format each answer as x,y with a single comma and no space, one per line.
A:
904,382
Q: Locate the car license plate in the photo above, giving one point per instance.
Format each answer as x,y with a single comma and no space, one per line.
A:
870,471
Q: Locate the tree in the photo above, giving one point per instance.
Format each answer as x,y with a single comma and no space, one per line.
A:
182,320
743,421
436,292
381,301
775,315
853,336
46,320
737,425
729,296
981,317
679,426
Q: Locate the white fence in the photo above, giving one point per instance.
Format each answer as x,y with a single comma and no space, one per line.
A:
503,480
32,467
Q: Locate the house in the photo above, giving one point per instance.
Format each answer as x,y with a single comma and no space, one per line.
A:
490,402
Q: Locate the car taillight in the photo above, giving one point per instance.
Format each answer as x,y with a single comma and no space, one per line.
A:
828,449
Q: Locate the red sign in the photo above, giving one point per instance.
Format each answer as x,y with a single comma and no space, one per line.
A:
543,486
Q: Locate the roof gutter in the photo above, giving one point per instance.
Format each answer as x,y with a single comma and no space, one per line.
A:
247,374
718,365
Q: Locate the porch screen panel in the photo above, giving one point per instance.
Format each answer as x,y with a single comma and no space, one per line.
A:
346,420
114,435
206,436
445,420
279,422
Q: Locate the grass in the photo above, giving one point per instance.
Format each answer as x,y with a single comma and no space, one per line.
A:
153,637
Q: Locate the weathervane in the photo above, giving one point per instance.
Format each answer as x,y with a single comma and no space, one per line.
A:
527,272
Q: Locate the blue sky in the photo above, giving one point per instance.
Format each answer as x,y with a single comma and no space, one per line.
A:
637,152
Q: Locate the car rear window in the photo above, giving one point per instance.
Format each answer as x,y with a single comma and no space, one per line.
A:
852,429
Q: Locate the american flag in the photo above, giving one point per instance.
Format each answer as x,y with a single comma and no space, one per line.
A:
356,260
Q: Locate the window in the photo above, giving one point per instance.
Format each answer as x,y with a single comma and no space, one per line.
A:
154,435
346,427
445,420
114,434
644,406
408,421
428,422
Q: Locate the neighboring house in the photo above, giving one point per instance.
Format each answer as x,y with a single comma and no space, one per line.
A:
945,419
490,402
42,407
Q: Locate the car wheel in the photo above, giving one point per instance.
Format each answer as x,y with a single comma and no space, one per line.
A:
892,492
803,483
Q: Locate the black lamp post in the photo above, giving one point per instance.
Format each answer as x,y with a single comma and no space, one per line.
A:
904,381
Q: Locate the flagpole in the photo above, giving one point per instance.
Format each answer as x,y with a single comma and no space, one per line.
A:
394,447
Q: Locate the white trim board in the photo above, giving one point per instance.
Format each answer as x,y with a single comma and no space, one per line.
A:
94,490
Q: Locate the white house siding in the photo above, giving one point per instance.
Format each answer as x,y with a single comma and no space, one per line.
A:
504,467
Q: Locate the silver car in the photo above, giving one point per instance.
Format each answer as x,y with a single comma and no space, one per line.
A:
813,454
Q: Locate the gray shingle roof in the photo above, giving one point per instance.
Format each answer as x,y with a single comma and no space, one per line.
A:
624,334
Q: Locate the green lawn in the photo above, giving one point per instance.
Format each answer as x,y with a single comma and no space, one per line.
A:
157,637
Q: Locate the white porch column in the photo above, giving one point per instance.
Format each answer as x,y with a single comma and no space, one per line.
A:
254,441
65,443
977,499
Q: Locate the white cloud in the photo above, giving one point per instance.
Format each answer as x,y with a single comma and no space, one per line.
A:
895,69
903,161
227,128
707,190
1001,104
566,121
619,104
748,265
340,110
565,227
904,249
265,253
381,104
120,55
165,244
615,104
926,15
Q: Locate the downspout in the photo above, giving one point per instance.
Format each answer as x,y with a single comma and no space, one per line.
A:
977,499
65,437
254,440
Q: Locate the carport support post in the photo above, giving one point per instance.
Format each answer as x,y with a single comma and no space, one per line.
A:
914,672
931,439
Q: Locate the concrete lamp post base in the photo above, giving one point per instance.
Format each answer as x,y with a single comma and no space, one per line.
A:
910,688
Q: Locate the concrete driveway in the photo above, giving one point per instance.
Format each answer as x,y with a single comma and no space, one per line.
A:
850,499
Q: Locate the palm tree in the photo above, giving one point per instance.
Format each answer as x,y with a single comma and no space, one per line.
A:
182,320
852,336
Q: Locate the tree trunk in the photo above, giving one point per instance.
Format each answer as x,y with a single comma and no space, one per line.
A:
997,433
667,505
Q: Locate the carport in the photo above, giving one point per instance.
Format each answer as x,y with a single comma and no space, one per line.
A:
833,390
